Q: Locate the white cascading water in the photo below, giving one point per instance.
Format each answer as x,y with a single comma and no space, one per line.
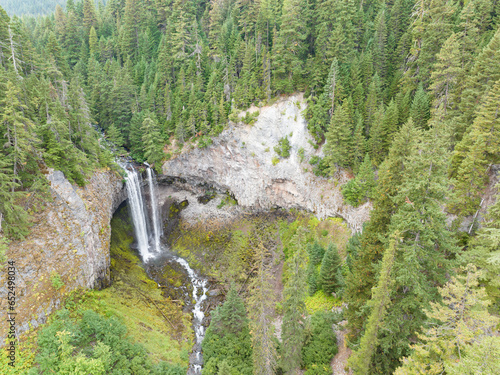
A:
198,314
155,217
137,207
140,219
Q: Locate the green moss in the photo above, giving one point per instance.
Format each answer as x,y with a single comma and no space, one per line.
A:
320,301
151,319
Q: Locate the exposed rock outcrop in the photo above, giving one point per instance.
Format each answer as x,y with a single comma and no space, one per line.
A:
69,244
240,160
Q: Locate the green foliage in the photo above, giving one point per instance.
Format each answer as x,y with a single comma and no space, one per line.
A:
227,341
250,118
361,188
293,328
283,147
321,342
56,280
456,330
91,344
328,279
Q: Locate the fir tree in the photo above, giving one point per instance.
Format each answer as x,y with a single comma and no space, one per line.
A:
455,326
361,358
420,108
290,46
152,141
328,272
261,311
339,138
293,328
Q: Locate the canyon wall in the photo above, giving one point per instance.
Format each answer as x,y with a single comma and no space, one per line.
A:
240,161
67,248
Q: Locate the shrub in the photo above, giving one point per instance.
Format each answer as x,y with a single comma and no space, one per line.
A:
250,118
56,280
283,147
301,154
321,342
92,345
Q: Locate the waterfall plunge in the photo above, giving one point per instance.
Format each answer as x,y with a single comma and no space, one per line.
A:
149,249
155,217
140,213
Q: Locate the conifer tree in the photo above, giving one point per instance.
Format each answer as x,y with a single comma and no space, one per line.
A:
328,272
13,218
360,359
378,137
290,46
92,41
366,178
426,244
358,145
482,77
420,109
294,309
363,273
484,253
476,152
261,311
228,338
380,45
339,138
445,73
115,135
152,141
15,128
455,326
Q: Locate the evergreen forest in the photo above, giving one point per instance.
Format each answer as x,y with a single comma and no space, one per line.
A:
402,94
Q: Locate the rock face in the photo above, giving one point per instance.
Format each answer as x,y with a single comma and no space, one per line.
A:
69,242
240,160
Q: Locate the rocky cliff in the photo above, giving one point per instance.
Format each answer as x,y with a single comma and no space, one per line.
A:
68,246
240,160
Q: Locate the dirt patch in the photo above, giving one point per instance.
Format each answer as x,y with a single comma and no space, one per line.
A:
339,362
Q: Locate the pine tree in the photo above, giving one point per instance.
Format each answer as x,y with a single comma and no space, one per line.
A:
152,141
425,248
92,41
455,326
482,77
339,138
380,45
484,253
89,15
115,136
228,338
15,128
380,301
366,178
420,109
378,137
294,309
445,73
14,221
358,145
391,119
363,273
476,152
290,46
328,272
261,311
331,85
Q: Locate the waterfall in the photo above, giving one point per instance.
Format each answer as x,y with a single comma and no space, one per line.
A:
147,225
155,217
198,283
139,212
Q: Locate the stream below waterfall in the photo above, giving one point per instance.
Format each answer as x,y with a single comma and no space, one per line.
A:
148,235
